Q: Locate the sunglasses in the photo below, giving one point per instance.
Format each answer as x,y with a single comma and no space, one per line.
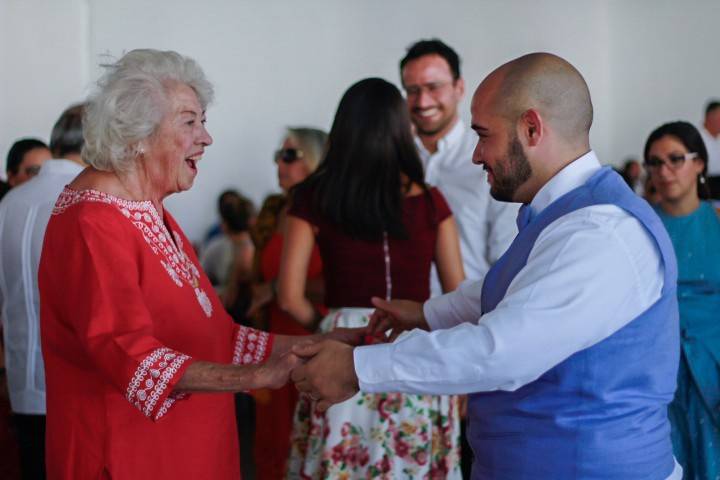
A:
288,155
673,162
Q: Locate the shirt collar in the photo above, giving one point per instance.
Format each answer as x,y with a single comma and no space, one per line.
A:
572,176
59,165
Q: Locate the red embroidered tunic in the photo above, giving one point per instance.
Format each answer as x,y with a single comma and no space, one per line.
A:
124,311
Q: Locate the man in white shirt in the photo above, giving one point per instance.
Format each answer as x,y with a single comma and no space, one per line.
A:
710,132
433,85
24,214
570,346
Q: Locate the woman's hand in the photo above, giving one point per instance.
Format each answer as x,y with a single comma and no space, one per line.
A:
395,315
275,372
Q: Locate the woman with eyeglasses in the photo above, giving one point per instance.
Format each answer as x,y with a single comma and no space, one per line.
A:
676,159
379,228
301,152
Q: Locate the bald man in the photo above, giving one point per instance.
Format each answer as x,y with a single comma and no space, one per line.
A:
569,347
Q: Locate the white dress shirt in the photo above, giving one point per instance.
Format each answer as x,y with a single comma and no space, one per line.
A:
486,226
712,145
589,273
24,215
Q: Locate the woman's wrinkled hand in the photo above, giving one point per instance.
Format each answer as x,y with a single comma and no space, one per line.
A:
276,371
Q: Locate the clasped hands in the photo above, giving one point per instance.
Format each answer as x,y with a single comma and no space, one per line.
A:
326,368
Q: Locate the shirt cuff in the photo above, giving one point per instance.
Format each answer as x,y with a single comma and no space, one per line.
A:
433,310
373,367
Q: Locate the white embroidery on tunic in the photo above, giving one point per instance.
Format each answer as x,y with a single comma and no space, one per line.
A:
250,346
151,380
143,215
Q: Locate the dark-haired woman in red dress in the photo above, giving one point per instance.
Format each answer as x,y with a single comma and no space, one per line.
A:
379,229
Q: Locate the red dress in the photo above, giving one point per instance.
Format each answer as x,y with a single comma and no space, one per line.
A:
275,409
354,269
124,311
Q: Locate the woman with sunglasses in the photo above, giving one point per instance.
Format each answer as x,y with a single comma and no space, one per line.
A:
379,228
301,152
676,159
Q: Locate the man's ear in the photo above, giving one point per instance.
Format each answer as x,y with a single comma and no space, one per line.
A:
532,128
460,87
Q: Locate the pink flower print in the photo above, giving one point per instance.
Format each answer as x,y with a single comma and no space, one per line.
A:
401,449
421,457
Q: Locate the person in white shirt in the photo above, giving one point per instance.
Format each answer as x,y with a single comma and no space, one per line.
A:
24,214
570,346
433,86
710,132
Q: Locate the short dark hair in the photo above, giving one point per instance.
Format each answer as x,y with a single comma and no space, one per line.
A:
433,46
67,134
358,186
712,105
235,211
690,137
18,150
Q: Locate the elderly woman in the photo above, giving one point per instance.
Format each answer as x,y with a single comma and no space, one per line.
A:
138,347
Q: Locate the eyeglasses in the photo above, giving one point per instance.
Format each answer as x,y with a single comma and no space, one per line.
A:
674,161
432,88
288,155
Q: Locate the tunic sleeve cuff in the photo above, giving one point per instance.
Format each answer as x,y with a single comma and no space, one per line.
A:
151,386
251,346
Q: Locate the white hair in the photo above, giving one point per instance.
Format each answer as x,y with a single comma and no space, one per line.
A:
130,101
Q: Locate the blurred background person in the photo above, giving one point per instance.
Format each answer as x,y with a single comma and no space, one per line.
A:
24,215
24,160
227,258
232,245
300,154
633,175
650,193
710,131
431,77
676,159
379,228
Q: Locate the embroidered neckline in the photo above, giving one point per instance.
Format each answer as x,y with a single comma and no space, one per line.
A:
147,220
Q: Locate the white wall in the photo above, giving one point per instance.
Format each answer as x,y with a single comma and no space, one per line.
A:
665,66
283,62
43,65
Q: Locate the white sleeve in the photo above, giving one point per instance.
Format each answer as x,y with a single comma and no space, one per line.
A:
456,307
585,279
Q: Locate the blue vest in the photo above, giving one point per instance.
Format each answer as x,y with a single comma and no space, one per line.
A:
601,413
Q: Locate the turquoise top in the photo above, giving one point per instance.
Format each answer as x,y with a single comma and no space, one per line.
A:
696,239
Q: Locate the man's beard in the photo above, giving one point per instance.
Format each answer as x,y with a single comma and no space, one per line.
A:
508,179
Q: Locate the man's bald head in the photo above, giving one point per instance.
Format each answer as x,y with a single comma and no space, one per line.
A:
548,84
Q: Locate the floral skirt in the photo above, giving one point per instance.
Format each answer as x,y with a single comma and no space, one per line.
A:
387,436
